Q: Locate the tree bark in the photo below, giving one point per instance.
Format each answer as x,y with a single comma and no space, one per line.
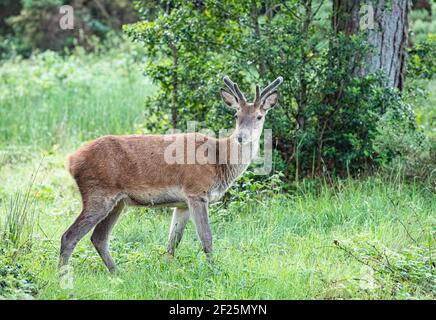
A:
388,35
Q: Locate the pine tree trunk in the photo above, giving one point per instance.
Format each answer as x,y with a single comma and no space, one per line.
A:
388,34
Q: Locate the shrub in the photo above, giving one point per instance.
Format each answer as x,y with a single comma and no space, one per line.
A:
33,25
327,118
422,64
402,147
398,274
15,281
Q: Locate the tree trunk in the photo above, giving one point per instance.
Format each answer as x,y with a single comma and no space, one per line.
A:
387,24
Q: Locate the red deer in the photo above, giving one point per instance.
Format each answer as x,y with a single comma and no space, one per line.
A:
114,171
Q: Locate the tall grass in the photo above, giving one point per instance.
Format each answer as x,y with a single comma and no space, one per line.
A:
18,216
50,99
18,219
277,247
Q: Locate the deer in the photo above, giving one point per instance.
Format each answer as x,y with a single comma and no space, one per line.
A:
113,172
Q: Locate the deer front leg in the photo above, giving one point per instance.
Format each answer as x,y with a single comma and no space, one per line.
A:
178,223
198,208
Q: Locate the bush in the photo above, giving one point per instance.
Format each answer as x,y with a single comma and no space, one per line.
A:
402,274
422,63
327,118
33,25
37,25
403,148
15,281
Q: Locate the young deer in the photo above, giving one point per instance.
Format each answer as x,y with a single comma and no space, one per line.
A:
114,171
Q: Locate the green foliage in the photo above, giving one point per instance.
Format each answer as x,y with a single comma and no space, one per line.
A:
396,274
422,63
33,25
249,188
17,227
402,147
327,118
178,44
50,99
421,84
15,282
269,245
17,217
271,240
422,24
38,26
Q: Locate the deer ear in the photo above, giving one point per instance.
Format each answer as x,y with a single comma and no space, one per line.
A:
270,101
229,99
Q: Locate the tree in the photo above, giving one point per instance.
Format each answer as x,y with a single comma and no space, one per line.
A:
386,24
330,101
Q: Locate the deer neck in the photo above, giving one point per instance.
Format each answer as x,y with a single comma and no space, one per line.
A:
235,159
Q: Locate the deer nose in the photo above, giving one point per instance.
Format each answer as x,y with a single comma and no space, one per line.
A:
239,139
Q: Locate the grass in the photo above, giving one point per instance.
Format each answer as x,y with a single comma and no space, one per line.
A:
281,247
371,238
52,100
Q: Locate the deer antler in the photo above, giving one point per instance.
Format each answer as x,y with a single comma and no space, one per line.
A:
234,89
257,97
267,90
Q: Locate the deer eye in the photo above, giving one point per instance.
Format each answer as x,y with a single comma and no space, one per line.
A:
236,116
259,117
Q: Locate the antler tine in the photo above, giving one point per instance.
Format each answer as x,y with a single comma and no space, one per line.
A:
271,87
239,93
234,89
257,97
229,83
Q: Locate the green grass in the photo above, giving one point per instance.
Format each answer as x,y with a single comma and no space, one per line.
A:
49,100
371,238
282,247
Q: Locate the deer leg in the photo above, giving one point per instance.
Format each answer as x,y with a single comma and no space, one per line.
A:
198,209
178,223
95,209
100,236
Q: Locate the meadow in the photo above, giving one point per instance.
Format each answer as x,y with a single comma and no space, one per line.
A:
371,238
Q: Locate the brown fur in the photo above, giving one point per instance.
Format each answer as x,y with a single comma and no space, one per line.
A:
127,164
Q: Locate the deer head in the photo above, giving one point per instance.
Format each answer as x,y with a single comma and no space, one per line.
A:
250,117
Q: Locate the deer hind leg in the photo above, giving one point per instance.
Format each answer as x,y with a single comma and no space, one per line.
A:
95,208
178,223
100,236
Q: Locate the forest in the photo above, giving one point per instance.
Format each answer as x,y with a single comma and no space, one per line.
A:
346,208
